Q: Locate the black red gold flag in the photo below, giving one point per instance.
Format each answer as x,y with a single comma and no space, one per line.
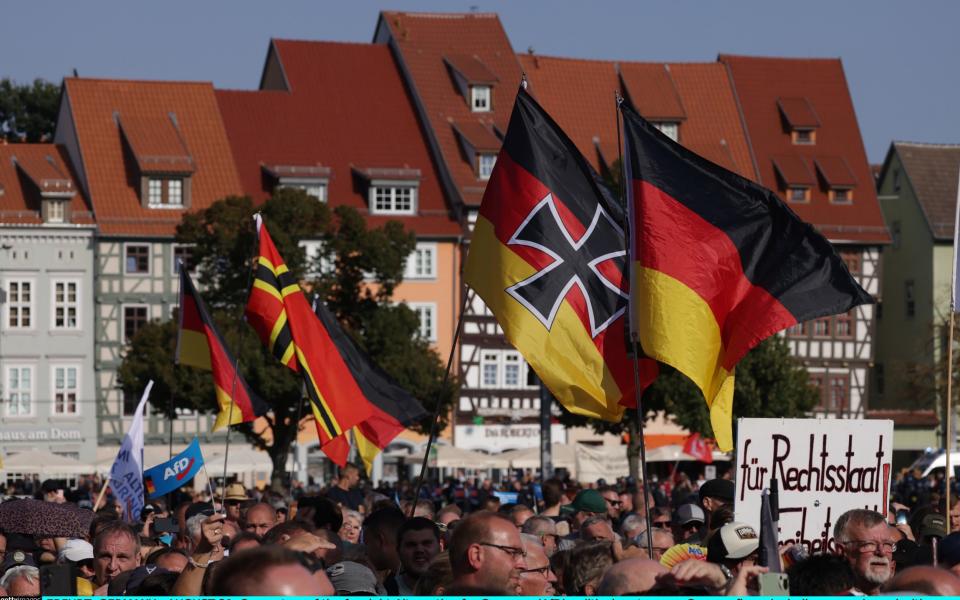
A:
720,263
200,345
548,257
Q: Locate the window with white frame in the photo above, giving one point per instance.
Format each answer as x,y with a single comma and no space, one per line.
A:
427,316
165,192
480,98
19,393
65,390
485,163
318,262
137,259
317,189
489,369
422,262
512,366
393,199
66,304
56,212
671,129
19,304
175,192
155,192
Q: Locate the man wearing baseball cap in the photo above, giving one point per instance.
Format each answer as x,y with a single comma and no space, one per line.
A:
733,547
688,522
586,504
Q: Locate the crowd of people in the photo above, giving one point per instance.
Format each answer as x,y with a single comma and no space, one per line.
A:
552,538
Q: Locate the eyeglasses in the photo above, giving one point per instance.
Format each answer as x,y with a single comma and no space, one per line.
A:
614,503
542,570
662,524
866,547
513,551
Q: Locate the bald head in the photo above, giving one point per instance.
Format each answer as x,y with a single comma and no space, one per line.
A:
925,580
260,518
629,577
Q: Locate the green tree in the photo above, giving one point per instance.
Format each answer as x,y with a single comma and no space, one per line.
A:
365,266
28,112
769,383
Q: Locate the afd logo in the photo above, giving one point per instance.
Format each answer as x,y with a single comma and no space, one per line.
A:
179,469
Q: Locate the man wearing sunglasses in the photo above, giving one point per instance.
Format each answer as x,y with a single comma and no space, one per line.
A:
537,578
614,504
486,554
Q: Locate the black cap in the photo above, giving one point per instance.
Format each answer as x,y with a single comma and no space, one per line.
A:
198,508
52,485
724,489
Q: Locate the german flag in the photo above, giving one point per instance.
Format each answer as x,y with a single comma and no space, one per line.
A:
200,345
281,316
548,256
393,408
719,264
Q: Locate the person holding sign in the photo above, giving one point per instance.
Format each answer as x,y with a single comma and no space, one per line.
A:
865,539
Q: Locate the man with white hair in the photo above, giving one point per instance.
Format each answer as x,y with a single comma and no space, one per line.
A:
865,539
21,581
537,577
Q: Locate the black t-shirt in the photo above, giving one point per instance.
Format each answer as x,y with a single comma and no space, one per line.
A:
351,499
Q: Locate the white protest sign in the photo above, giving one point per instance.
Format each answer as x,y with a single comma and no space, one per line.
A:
824,467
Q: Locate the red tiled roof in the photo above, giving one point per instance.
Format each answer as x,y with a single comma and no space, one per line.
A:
423,41
156,144
28,169
906,418
348,114
761,85
835,171
798,112
478,135
471,68
575,93
652,92
793,170
99,107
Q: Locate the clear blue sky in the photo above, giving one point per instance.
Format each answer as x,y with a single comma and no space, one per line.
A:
902,59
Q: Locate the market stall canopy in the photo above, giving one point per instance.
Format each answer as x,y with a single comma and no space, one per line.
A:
562,456
442,456
42,462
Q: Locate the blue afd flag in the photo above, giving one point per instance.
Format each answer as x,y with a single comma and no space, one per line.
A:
166,477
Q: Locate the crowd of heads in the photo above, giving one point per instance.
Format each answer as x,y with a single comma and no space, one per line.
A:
474,538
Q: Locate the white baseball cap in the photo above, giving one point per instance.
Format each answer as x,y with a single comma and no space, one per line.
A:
76,550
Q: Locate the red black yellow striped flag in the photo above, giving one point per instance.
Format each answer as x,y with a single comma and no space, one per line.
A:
548,256
719,264
200,345
393,408
279,312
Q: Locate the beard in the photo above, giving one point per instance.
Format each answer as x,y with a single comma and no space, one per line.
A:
878,571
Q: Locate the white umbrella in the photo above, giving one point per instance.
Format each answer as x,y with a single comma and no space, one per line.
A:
42,462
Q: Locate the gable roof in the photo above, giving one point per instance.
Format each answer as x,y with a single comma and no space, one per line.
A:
346,118
428,44
698,95
778,94
933,171
26,171
123,126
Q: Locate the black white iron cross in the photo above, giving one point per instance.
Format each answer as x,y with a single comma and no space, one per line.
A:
575,262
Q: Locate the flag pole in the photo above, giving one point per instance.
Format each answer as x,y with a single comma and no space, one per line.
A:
948,434
634,335
436,411
236,372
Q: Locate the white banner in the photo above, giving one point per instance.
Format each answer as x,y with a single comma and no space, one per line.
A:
824,467
126,475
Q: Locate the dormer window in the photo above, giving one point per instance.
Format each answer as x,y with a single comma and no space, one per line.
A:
485,164
391,191
474,80
841,195
803,137
799,119
52,183
798,194
480,98
312,179
56,211
392,199
671,129
165,192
